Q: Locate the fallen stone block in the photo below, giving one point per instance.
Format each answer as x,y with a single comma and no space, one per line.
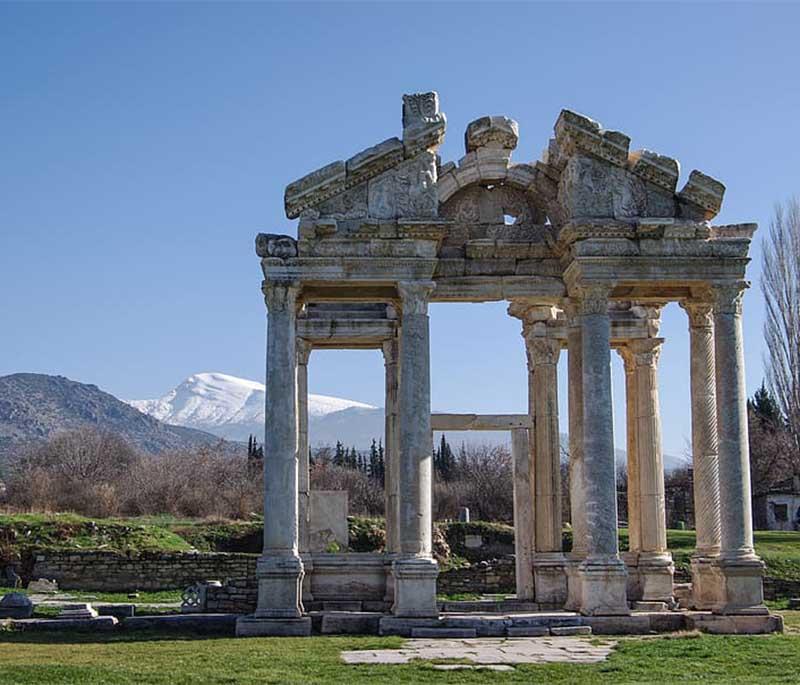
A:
735,625
527,631
250,626
16,605
118,611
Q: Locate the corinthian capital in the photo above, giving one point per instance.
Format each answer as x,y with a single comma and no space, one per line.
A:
700,314
593,299
303,348
728,297
414,296
280,296
644,352
543,350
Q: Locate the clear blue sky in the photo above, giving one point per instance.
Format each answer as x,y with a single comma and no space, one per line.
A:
142,147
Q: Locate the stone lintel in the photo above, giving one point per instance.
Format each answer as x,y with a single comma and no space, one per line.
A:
479,422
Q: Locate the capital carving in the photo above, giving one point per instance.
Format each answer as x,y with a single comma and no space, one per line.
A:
414,296
700,314
303,348
593,299
543,350
644,352
728,298
280,296
276,245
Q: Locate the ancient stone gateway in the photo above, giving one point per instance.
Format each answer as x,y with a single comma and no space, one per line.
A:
587,244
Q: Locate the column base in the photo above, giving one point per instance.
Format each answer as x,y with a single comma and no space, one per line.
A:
251,626
603,587
549,577
656,572
415,587
633,588
280,582
742,590
308,569
388,593
706,583
573,600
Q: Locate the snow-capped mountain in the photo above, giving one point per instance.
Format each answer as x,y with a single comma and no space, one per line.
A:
233,408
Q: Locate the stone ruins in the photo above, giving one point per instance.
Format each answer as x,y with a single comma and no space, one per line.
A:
587,245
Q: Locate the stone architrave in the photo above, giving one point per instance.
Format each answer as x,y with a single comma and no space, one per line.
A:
602,573
279,570
740,568
648,514
415,570
705,581
524,530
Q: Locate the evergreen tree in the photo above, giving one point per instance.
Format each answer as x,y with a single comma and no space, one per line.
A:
765,407
339,457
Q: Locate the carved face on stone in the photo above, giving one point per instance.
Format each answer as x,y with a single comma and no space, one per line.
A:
274,245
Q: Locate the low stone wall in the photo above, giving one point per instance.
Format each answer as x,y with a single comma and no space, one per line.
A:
237,596
111,572
483,578
774,588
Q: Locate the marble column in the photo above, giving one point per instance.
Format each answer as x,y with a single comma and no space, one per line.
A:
654,561
303,479
576,486
631,557
415,570
391,457
279,569
524,530
391,475
602,573
740,569
303,465
705,581
548,563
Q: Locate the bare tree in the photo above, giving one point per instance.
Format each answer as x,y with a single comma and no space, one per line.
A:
780,284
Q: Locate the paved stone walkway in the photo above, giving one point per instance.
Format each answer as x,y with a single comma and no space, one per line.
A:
490,653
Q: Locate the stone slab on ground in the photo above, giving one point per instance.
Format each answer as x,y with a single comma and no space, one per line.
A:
488,651
341,605
250,626
101,623
192,623
443,632
350,623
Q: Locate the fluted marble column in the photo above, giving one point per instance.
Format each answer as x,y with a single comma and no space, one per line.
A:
548,563
415,571
279,569
576,487
741,570
654,562
705,581
602,573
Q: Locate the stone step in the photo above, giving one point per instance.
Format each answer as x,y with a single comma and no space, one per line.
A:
341,605
563,631
457,633
527,631
484,606
350,623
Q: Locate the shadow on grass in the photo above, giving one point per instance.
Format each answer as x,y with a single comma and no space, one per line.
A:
111,637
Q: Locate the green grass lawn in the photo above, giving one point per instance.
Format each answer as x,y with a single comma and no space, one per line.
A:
166,659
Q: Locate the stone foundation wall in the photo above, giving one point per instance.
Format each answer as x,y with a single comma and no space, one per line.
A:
110,572
484,578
